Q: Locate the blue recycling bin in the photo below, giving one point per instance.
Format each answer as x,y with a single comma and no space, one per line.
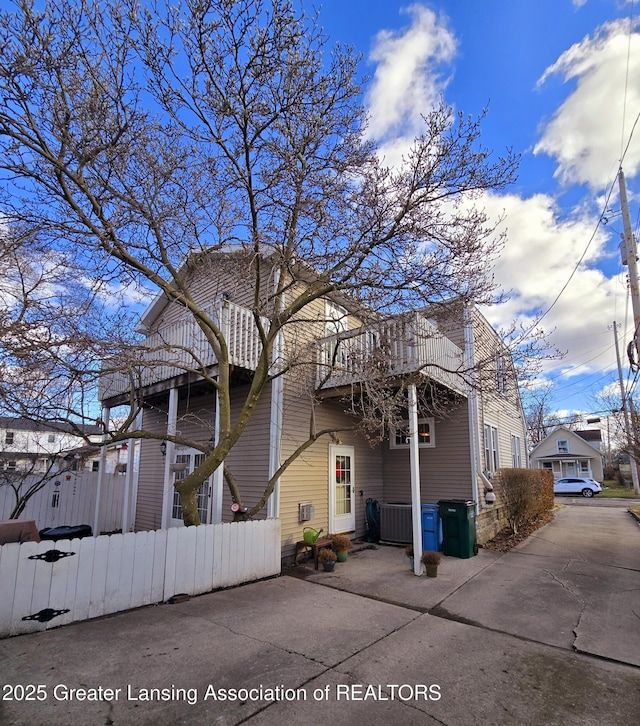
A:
431,527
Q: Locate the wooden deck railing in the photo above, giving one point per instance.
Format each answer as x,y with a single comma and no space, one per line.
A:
395,346
182,346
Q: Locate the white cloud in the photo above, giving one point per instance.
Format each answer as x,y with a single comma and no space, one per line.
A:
586,135
540,254
408,79
544,241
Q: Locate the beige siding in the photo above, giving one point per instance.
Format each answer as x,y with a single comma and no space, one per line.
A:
445,470
307,479
212,277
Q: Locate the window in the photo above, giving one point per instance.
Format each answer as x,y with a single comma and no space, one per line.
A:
335,318
501,374
95,466
192,462
51,439
426,435
516,455
8,437
491,460
584,466
12,465
563,446
337,354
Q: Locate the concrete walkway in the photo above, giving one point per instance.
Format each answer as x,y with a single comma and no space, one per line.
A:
295,651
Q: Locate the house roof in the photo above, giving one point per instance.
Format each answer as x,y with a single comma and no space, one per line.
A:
591,436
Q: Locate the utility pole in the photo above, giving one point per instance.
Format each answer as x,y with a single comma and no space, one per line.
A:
631,255
630,442
630,258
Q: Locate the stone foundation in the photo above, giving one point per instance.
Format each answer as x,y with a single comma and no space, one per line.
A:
489,522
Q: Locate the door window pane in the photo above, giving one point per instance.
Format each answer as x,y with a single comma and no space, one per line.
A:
343,484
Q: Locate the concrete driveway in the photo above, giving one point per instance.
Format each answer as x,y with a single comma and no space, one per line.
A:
296,651
573,584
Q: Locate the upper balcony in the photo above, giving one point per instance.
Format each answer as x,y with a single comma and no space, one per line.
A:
182,347
394,347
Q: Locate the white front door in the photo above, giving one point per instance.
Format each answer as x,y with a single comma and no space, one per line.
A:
342,515
191,460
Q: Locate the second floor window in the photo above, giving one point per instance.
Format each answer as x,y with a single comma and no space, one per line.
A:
501,374
8,437
335,318
563,446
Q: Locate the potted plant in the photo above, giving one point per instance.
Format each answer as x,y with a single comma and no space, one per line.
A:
431,560
328,558
341,545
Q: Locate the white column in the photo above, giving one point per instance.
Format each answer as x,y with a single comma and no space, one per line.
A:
130,483
172,418
218,474
106,412
275,421
414,455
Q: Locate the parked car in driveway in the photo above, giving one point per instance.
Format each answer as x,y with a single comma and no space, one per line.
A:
576,485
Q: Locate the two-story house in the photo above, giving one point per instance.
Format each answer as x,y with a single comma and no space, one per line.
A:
470,421
31,447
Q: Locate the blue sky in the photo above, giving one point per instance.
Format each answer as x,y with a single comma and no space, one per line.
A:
562,82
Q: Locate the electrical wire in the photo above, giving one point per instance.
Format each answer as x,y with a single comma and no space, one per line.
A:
626,86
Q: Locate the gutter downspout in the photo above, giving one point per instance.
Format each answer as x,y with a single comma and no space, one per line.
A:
414,456
472,405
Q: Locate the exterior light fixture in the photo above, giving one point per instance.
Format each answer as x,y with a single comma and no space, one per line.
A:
163,448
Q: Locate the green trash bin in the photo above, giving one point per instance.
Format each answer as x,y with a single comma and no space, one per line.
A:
458,517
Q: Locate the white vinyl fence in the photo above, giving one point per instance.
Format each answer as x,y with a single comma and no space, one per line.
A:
95,576
70,499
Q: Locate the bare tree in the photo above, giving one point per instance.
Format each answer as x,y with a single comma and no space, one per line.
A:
137,145
540,417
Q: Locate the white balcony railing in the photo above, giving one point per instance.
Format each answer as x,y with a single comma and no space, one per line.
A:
182,347
396,346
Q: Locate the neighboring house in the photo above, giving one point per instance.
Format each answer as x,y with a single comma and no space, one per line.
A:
570,453
469,423
88,457
30,447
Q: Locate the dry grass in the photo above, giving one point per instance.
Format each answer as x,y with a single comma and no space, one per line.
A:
506,539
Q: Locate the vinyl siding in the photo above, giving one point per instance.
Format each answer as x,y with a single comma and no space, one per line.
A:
151,473
248,460
307,478
445,470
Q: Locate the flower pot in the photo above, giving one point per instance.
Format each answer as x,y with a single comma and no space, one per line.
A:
342,555
328,565
432,570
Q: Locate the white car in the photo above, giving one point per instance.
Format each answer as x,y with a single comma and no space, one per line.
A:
576,485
